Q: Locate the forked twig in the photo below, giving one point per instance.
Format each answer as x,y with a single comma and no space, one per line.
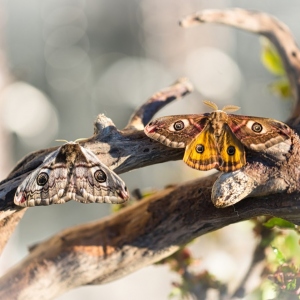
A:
263,24
155,227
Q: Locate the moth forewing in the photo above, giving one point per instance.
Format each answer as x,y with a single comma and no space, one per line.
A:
203,131
71,173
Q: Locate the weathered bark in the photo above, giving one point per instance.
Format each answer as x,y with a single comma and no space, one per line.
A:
263,24
120,150
155,227
137,236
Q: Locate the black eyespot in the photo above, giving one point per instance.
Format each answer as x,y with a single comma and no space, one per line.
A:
179,125
256,127
42,179
200,148
231,150
100,176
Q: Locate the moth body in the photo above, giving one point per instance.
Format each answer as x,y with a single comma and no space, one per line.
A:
71,173
217,119
217,139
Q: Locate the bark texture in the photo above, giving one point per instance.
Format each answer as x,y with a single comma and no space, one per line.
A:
155,227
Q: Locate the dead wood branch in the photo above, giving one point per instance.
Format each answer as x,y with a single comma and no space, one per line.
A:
154,228
120,150
137,236
270,27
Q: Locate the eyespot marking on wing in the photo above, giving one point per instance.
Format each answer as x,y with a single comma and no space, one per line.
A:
179,125
200,148
77,175
256,127
231,150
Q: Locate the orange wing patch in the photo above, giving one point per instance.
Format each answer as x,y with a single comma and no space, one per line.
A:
232,151
202,152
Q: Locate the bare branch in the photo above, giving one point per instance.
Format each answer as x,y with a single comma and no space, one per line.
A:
144,114
261,23
267,172
8,226
137,236
154,228
119,150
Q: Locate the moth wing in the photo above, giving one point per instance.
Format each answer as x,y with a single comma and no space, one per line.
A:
96,183
32,193
202,153
272,131
232,151
176,131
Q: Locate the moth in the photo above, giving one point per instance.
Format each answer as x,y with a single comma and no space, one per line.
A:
217,139
72,172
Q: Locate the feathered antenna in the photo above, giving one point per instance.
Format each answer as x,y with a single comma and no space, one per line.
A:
214,106
80,140
62,141
76,141
230,108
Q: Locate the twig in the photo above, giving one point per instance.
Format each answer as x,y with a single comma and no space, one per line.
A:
137,236
145,113
154,228
261,23
120,150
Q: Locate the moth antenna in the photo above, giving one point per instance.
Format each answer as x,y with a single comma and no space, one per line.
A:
63,141
230,108
80,140
212,105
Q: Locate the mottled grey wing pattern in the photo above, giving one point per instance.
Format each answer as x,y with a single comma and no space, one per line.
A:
71,173
95,182
33,191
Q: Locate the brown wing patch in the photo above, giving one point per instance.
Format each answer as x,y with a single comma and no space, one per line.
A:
258,133
176,131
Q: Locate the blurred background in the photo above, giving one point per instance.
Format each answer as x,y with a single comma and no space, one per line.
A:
65,61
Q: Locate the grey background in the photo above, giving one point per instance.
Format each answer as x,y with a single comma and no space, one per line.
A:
90,57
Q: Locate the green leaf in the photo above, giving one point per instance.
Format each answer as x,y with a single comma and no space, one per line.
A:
271,58
281,87
279,256
281,223
176,292
291,286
